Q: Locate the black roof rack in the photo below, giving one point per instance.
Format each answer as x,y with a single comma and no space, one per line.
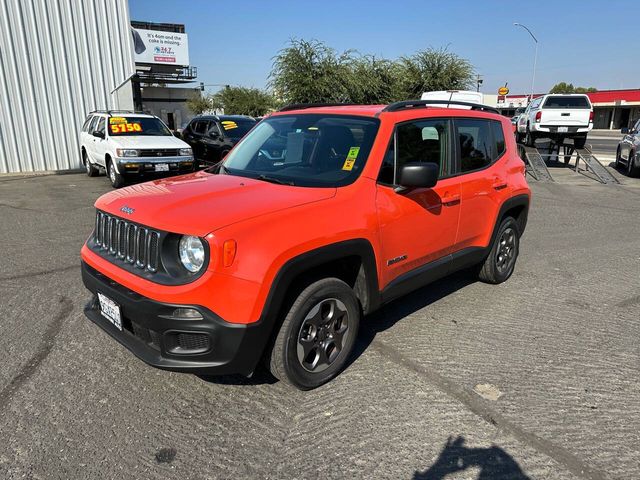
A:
302,106
394,107
115,111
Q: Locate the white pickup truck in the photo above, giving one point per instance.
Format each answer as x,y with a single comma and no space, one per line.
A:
556,117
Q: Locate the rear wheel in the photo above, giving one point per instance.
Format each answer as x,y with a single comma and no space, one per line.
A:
579,142
500,263
317,335
91,169
529,138
632,170
117,180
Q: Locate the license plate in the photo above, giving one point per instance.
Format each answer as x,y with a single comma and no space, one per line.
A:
110,310
563,129
162,167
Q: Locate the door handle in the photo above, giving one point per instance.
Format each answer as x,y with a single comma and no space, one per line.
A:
499,184
450,199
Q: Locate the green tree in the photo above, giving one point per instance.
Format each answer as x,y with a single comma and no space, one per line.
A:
432,70
243,101
564,87
199,103
308,71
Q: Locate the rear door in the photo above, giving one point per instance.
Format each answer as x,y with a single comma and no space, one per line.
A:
90,143
100,144
417,226
566,110
480,152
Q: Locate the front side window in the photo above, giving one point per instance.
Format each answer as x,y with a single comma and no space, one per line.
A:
201,126
133,126
475,143
419,141
100,126
311,150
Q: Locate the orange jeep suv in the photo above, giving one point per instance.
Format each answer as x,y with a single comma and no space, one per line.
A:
317,217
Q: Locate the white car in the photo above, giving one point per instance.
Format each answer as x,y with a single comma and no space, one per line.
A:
468,96
131,145
556,117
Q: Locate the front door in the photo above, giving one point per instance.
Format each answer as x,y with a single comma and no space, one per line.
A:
417,226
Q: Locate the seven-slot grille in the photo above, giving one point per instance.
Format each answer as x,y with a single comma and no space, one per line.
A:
158,152
127,241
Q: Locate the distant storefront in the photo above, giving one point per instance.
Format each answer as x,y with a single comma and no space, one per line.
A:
612,109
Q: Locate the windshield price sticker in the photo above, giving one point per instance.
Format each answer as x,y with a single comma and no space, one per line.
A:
351,159
229,125
126,128
117,120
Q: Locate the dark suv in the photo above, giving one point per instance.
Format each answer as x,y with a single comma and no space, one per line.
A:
212,136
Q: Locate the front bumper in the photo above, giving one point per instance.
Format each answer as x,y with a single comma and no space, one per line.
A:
207,346
140,165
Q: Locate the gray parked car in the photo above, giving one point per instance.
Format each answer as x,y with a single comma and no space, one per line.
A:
628,154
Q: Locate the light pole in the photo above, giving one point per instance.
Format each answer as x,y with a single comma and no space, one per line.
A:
535,57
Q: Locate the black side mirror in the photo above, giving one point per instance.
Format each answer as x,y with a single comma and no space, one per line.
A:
98,134
624,130
419,175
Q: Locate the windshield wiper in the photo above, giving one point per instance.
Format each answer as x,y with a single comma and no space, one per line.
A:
275,180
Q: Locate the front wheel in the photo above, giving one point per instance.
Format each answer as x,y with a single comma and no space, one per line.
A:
618,159
529,139
117,180
317,335
500,263
632,170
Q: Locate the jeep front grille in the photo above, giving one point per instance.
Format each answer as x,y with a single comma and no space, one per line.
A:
131,243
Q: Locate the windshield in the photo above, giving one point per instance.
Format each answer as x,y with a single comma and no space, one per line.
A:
567,102
130,126
236,129
309,150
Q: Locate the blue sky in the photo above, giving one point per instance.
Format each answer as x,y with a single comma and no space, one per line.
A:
588,43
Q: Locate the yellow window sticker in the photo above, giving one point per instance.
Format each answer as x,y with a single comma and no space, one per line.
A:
117,120
351,159
229,125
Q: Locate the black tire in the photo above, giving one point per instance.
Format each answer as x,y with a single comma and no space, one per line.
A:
90,168
579,142
116,179
617,159
500,263
632,170
529,138
306,353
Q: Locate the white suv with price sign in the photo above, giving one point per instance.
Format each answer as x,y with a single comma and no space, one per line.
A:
556,117
129,145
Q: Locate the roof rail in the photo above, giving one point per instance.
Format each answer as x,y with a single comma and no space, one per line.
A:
405,104
302,106
115,111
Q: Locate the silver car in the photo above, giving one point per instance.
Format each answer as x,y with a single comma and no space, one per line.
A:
628,154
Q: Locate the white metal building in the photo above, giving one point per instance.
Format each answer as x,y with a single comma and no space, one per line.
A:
59,59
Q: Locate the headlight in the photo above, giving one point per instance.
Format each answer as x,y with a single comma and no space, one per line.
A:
191,253
185,152
127,152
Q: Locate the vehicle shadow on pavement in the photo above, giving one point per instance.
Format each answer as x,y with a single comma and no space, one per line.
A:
397,310
492,462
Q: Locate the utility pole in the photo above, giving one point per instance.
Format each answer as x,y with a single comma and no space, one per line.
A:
535,57
478,82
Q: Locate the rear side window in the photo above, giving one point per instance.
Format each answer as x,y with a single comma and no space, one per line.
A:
475,143
566,102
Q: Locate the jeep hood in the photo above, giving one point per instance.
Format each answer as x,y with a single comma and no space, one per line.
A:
199,203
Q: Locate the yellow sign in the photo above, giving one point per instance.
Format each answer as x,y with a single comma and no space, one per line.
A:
503,91
351,159
229,125
126,127
117,120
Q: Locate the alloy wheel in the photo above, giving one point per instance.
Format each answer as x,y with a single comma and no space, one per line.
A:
322,335
506,254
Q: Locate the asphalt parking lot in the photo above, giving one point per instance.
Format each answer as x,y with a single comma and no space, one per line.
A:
554,353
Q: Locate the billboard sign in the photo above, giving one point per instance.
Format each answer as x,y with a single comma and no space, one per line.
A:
154,46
